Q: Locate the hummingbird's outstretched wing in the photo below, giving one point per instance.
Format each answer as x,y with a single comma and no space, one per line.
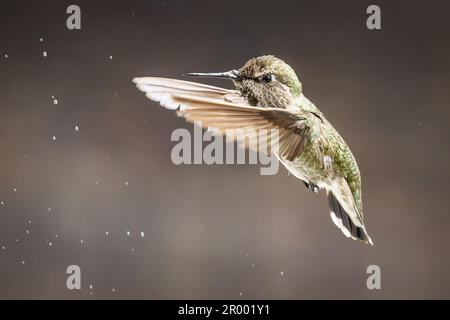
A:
225,111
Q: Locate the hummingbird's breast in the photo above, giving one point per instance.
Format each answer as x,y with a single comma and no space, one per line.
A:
308,166
311,164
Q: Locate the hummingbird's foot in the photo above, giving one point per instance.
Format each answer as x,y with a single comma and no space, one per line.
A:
311,186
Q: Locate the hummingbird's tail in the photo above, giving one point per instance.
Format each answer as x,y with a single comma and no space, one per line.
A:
350,224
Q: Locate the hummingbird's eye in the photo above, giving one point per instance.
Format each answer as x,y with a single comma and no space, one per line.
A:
267,78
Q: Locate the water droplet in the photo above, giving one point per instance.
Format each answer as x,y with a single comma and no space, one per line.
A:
241,294
54,138
56,236
281,273
132,249
107,233
44,54
29,221
113,290
91,287
55,101
128,233
76,128
6,56
23,261
41,40
27,232
81,241
142,234
15,190
110,57
126,183
50,243
49,209
3,248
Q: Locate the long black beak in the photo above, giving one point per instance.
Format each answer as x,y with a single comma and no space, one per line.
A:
231,75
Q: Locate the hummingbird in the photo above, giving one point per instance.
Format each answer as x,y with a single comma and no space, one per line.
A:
268,94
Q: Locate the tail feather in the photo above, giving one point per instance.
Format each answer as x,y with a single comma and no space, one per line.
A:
344,222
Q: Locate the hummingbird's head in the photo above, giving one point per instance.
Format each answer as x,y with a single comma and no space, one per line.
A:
266,81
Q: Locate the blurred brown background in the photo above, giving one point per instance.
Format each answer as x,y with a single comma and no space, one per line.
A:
218,231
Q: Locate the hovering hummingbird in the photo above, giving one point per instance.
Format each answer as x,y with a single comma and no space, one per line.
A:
269,95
